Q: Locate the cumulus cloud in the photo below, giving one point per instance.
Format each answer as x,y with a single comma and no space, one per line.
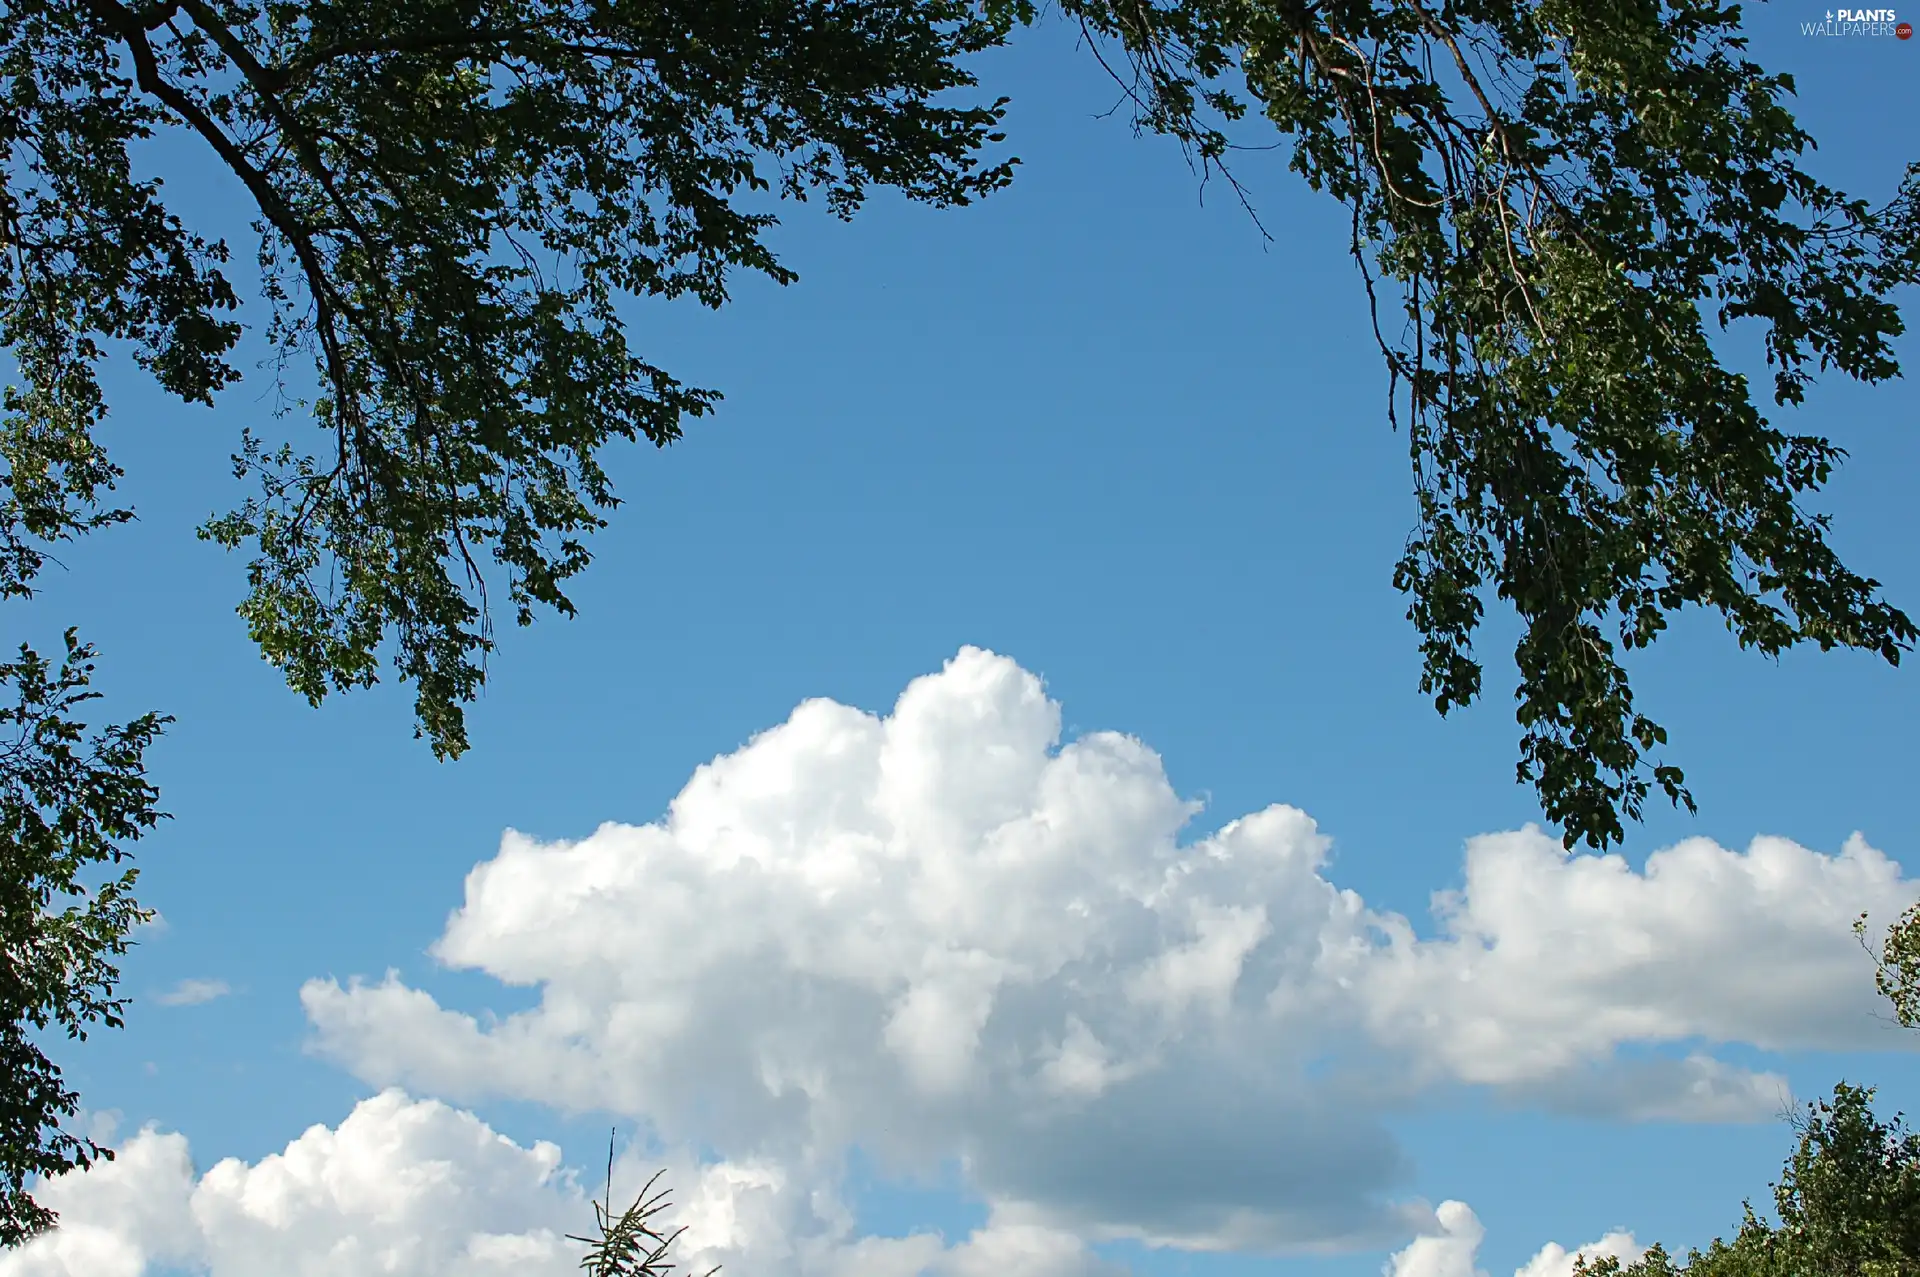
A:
418,1189
191,993
401,1186
117,1217
940,934
1553,1260
1451,1250
1547,961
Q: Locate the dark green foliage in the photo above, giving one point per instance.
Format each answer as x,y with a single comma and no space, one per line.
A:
452,197
69,803
1569,198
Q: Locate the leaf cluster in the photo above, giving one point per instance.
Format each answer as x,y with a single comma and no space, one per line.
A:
89,258
452,198
70,802
1897,964
1570,199
1848,1203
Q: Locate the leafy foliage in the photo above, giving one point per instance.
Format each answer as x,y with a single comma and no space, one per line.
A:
1897,965
452,195
1848,1202
69,804
1569,198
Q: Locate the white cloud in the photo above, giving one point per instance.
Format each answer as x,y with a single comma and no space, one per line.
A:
939,935
1556,1261
117,1217
1452,1250
1449,1252
1548,961
191,993
414,1188
402,1186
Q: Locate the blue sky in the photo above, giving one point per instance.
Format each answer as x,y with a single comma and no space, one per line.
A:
1094,425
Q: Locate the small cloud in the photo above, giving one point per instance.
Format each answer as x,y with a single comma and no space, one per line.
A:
1453,1250
191,993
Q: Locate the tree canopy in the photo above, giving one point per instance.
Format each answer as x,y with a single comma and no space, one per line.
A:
1564,201
452,198
70,802
1848,1205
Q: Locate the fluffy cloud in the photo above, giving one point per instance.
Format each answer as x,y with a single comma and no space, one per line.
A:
401,1186
117,1217
941,934
417,1189
1451,1250
1547,961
